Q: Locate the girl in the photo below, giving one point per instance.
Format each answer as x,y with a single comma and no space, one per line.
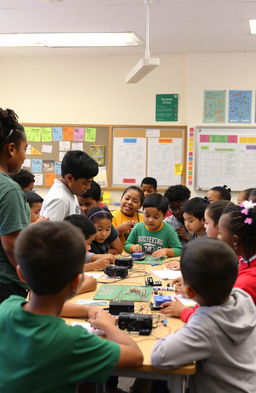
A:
237,228
218,193
212,215
106,239
14,210
128,215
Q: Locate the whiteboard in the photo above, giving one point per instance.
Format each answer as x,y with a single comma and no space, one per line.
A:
225,155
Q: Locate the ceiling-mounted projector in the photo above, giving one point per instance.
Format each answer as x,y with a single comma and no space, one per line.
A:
141,69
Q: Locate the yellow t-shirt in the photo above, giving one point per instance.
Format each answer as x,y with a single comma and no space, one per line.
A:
119,218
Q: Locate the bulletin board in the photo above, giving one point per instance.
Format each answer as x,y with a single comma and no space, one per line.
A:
225,155
142,151
48,143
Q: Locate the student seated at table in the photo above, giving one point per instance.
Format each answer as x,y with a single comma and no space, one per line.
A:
77,172
128,215
219,193
148,186
177,196
39,352
221,335
90,198
92,261
154,236
193,214
35,203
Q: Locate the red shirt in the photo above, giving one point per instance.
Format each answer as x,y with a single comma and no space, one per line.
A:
246,280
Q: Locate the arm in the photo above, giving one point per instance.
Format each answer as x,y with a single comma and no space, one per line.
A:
132,241
89,284
173,242
192,342
130,354
8,242
115,245
73,310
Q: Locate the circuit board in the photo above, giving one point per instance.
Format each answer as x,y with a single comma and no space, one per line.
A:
149,260
133,293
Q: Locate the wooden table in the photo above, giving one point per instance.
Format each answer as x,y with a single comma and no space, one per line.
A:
176,377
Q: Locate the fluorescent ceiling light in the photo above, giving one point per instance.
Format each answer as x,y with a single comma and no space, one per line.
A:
252,23
69,39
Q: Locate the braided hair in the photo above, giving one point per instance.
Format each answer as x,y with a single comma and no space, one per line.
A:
243,224
10,130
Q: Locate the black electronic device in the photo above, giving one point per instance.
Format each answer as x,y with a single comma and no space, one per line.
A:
117,306
141,323
149,281
154,307
124,261
116,271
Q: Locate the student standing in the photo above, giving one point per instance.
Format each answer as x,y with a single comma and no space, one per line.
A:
14,209
77,172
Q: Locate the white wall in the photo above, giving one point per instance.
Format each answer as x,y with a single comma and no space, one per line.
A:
91,90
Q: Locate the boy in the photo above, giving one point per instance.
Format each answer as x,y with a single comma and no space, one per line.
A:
38,351
92,261
193,214
154,236
148,186
25,179
35,203
221,334
77,172
177,196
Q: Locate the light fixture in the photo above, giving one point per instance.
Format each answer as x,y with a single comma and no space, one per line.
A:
252,23
55,40
146,64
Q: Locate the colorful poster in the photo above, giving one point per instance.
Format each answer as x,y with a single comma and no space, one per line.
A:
57,167
35,134
240,106
166,107
68,133
214,106
97,152
49,179
46,134
90,135
78,134
48,166
37,166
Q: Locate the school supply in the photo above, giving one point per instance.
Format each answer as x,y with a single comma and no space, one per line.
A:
124,292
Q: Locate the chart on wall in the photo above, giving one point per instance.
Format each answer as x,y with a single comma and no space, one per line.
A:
225,156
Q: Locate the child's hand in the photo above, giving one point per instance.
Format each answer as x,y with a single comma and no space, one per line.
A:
173,309
89,284
182,233
101,263
102,320
174,265
179,289
162,252
136,248
93,311
40,219
125,227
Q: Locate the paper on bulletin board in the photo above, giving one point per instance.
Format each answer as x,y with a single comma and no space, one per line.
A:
77,146
27,163
90,135
164,160
101,178
35,152
47,149
129,160
106,197
38,179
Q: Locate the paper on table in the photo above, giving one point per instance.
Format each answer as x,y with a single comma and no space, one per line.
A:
88,327
92,302
94,275
167,274
186,301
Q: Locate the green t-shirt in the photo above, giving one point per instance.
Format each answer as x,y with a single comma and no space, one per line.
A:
14,216
41,354
165,237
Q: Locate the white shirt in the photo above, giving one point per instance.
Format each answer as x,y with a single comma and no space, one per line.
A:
59,202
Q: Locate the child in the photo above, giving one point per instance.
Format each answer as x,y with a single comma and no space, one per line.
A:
244,195
148,186
106,239
221,334
177,196
14,210
154,236
35,203
92,261
128,215
217,193
25,179
50,258
212,215
193,214
77,172
90,198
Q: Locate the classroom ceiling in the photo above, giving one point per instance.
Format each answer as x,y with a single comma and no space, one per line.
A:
176,26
